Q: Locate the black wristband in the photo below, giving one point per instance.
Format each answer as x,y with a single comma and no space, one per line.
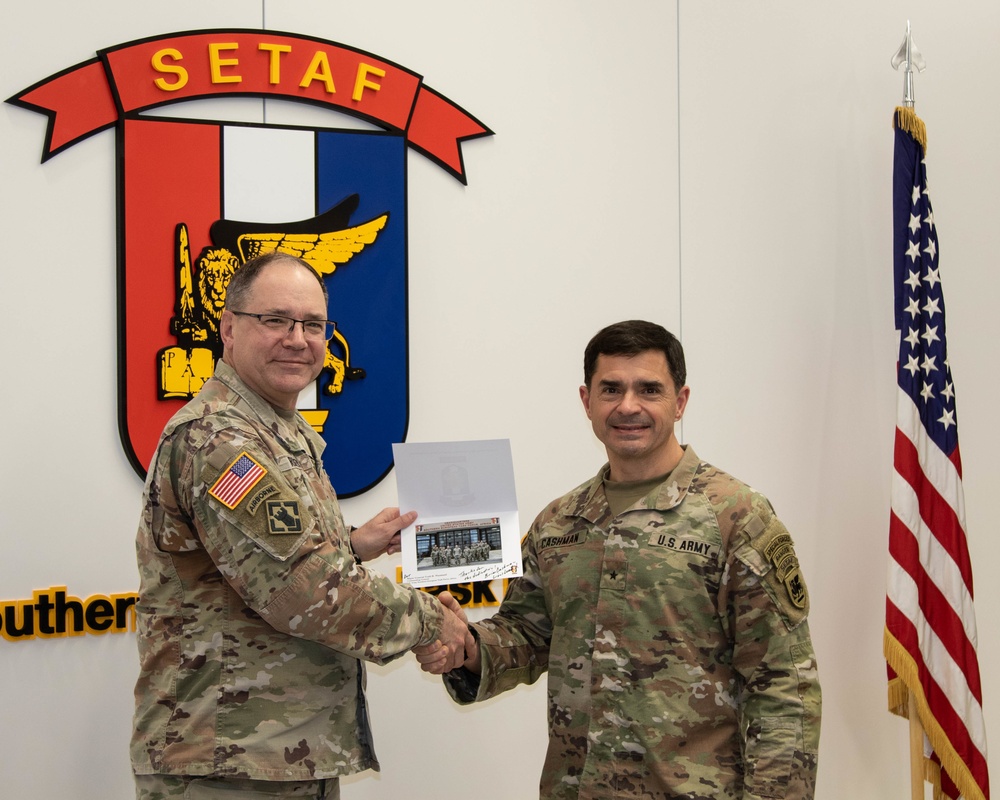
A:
357,558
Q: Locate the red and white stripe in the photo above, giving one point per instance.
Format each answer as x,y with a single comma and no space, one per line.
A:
929,601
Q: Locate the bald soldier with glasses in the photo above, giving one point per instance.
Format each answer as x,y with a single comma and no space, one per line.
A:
255,610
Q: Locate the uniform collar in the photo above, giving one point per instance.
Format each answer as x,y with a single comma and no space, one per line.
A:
592,504
278,423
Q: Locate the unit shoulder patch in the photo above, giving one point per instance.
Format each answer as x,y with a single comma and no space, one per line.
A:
283,517
782,555
774,556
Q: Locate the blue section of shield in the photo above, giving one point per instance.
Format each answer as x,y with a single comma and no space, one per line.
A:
368,297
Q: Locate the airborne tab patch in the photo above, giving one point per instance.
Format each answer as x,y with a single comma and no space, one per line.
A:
259,497
236,482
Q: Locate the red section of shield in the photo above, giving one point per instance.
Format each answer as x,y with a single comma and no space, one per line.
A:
159,190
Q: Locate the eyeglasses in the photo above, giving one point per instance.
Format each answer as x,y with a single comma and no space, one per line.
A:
316,329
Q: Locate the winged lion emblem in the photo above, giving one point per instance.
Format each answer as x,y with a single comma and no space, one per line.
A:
325,242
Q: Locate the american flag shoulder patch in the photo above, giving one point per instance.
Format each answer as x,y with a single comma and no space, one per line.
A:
236,482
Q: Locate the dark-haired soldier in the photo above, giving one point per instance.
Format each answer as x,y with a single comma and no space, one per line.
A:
664,600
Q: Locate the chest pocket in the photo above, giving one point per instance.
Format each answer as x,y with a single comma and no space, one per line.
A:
675,545
570,557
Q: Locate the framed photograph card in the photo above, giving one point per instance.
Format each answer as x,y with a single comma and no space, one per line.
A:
468,528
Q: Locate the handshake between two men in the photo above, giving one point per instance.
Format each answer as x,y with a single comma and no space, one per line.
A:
455,646
445,654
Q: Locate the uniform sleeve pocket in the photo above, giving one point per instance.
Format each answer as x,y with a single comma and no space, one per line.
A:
770,743
809,692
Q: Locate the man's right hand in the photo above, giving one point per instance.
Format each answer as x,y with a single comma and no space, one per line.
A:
455,647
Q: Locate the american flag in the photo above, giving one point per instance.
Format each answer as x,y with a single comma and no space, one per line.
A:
930,623
233,485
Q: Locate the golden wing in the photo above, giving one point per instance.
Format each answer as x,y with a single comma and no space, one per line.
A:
322,251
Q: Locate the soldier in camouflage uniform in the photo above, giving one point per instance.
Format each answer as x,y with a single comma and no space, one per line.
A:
664,599
255,610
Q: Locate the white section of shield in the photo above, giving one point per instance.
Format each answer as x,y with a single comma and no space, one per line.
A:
269,175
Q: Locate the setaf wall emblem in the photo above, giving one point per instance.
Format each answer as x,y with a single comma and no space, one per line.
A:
197,198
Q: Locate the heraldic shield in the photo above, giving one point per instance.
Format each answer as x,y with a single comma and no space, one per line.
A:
202,198
199,198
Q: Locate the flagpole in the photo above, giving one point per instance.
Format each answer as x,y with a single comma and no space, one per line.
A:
930,637
916,751
910,59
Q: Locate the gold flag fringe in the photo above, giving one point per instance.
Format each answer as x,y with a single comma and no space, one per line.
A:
932,774
899,658
907,120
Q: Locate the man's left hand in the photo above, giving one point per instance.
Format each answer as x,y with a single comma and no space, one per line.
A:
380,535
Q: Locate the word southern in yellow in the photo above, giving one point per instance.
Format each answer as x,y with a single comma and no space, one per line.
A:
51,613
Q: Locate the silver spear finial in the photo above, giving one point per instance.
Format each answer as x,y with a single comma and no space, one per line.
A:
909,58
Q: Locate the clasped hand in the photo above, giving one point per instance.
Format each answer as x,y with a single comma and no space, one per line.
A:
456,647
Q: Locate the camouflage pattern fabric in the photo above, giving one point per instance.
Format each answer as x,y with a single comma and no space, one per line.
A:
186,787
675,639
253,613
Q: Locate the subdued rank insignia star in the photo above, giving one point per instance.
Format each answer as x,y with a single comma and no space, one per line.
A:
614,576
283,517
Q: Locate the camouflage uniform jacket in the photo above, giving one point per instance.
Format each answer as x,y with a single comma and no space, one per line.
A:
253,614
675,639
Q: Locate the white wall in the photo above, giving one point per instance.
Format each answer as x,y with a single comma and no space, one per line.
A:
721,167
